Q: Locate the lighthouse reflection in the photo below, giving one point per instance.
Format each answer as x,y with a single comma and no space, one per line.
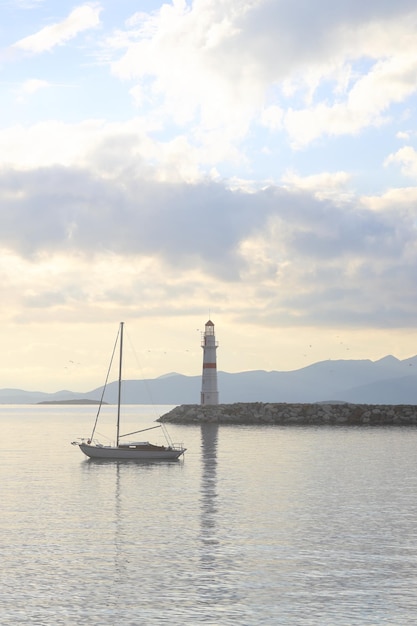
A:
214,583
208,501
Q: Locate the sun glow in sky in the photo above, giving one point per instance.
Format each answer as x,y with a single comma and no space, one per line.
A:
254,161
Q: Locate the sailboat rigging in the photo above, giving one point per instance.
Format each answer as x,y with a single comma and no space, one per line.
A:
134,450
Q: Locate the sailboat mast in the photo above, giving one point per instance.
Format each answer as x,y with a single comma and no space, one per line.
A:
119,393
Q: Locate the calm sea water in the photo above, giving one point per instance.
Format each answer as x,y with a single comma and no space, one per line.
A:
258,525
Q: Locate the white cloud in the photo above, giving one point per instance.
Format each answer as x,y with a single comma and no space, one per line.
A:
111,148
214,63
407,158
323,185
401,200
177,57
28,4
80,19
201,226
206,78
272,117
405,135
47,143
368,101
33,85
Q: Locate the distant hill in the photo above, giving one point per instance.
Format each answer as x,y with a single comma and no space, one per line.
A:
387,381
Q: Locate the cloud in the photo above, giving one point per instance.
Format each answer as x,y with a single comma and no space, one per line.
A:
80,19
204,225
407,158
178,59
60,208
28,4
141,203
80,249
314,72
323,185
388,82
33,85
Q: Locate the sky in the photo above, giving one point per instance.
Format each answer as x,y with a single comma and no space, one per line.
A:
249,161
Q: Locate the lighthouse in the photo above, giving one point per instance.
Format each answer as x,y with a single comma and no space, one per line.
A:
209,392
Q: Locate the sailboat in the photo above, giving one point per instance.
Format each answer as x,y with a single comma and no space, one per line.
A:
132,450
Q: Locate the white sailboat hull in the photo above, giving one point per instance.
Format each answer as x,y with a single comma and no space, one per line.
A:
145,453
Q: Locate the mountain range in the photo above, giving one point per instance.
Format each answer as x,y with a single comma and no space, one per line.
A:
386,381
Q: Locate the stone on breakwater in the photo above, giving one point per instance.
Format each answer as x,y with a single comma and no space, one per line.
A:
320,414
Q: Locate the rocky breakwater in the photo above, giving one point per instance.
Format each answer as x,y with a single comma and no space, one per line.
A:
283,414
